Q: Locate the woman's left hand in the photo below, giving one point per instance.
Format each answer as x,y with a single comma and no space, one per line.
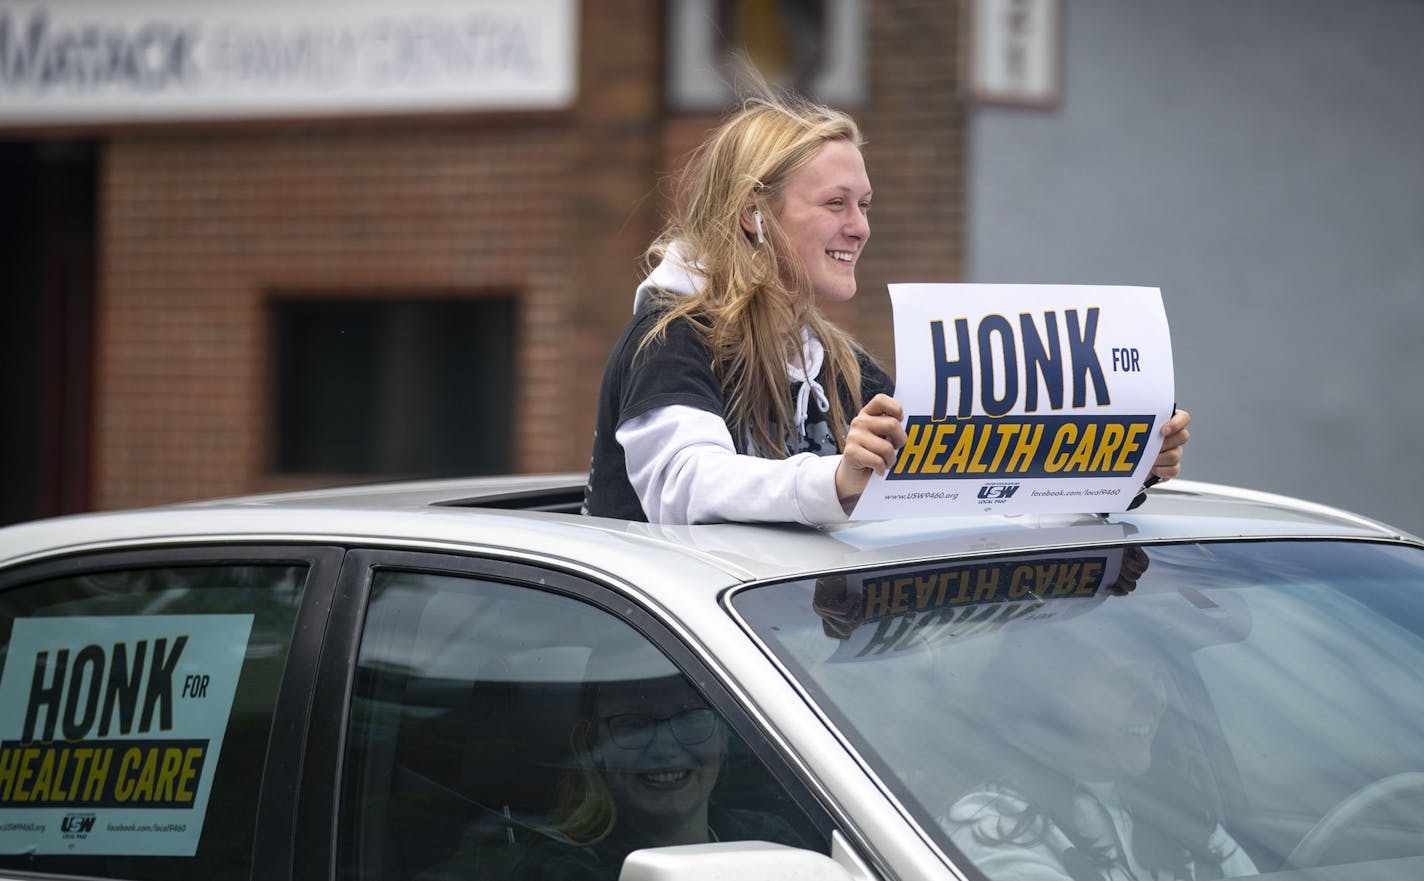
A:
1174,436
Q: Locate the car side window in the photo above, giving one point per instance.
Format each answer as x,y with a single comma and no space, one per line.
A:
500,731
135,710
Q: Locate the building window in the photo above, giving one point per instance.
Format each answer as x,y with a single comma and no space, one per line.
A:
393,388
814,47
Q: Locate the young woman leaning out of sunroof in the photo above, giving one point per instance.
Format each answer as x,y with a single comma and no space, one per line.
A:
729,395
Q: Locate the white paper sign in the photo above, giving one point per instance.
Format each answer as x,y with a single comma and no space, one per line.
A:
111,729
1024,398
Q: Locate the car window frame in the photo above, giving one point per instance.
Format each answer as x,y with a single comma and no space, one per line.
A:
318,824
272,845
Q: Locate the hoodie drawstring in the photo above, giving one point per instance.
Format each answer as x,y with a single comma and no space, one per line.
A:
812,356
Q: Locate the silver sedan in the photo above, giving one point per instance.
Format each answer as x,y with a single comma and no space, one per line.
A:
469,680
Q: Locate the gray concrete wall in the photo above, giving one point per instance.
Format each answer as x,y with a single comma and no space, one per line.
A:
1262,161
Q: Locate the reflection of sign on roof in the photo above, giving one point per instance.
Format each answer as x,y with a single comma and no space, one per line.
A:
113,726
982,583
882,613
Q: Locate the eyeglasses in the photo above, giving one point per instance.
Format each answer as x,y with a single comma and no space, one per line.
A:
636,730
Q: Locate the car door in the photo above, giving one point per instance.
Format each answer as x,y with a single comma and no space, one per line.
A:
147,700
485,720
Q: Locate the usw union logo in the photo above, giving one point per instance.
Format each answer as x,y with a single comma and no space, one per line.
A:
77,824
998,491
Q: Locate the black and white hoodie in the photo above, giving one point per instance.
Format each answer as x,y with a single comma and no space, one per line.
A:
662,448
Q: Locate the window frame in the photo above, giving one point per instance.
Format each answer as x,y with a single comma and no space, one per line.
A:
323,771
271,845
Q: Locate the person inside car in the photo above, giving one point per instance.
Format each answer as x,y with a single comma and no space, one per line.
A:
1097,779
647,755
730,396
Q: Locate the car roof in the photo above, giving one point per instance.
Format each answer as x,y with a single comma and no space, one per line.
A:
535,516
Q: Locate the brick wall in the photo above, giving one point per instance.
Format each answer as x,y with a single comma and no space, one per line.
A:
914,129
198,229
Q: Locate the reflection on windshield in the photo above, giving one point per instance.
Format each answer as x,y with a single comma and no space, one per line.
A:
1176,712
1084,749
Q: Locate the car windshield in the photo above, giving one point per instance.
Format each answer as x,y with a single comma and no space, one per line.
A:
1183,710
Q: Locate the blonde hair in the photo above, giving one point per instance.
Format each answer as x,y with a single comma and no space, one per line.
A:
585,811
756,298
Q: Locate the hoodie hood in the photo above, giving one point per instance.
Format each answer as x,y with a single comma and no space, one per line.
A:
677,273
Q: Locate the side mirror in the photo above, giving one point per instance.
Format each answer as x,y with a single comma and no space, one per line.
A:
742,860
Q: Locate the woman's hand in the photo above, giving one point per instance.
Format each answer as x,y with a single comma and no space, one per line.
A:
874,436
1174,434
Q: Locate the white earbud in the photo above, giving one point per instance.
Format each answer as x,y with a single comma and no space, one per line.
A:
761,236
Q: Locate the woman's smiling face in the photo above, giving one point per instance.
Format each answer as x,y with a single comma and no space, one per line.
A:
665,779
1112,716
1087,705
823,213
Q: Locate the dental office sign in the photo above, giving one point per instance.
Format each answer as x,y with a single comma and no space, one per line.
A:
1024,398
92,61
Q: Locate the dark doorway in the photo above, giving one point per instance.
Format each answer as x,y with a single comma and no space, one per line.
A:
47,246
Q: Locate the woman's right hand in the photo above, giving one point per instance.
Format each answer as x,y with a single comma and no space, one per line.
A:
874,436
